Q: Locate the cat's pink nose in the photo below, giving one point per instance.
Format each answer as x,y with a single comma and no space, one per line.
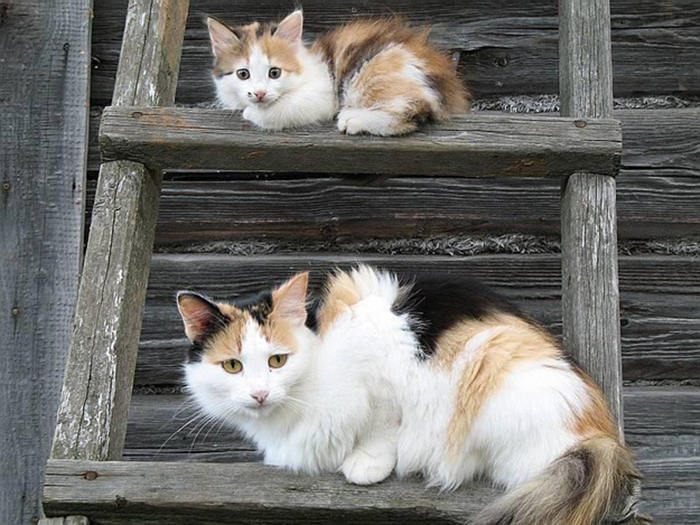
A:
260,396
260,95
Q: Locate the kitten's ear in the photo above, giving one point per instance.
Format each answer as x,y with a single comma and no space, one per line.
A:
199,314
290,28
289,300
220,35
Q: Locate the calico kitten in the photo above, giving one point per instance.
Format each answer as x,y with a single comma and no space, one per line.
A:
384,76
437,377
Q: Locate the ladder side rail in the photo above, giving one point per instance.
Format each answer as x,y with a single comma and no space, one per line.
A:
590,294
102,357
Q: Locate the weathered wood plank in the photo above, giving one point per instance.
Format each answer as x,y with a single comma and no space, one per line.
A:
70,520
660,300
335,210
129,492
44,77
471,146
99,375
165,493
657,197
590,295
660,423
505,47
662,140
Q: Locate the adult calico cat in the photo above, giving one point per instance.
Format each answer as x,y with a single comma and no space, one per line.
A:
437,377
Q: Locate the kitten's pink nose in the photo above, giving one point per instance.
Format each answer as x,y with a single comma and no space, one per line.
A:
260,95
260,396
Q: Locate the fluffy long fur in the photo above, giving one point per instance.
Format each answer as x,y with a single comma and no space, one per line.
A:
383,75
444,379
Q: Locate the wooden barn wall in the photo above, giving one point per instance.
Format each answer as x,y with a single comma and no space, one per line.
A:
224,234
508,51
44,71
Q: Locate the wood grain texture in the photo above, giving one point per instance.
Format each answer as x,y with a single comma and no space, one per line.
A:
660,140
44,73
70,520
660,300
590,295
657,195
661,424
97,389
165,493
468,146
505,47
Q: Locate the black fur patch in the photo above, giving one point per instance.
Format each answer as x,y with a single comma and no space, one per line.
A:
217,322
259,306
437,303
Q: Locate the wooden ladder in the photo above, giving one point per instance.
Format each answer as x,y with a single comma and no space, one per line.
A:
142,134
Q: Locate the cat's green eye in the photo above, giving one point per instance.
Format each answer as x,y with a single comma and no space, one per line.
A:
277,361
232,366
274,73
243,74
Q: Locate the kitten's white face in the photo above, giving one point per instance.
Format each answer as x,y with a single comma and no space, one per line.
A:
248,361
257,65
257,80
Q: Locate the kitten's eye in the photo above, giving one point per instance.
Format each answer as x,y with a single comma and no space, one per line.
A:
232,366
243,74
275,73
277,361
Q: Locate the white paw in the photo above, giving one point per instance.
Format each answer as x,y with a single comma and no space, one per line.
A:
356,121
362,468
248,114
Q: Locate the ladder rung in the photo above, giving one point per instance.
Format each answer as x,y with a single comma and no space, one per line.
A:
468,146
175,493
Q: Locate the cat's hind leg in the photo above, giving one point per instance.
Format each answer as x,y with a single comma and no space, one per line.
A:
390,94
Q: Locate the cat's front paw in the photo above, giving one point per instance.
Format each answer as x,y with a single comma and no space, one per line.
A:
362,468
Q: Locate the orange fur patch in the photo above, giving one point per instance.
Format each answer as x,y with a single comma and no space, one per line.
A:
341,293
226,344
513,340
281,53
379,49
595,420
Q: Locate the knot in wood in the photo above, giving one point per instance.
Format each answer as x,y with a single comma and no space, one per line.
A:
90,475
580,123
6,186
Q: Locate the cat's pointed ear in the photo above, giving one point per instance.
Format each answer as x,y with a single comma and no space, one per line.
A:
200,315
289,300
220,35
291,28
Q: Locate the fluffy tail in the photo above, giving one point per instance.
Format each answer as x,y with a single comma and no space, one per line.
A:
344,289
594,483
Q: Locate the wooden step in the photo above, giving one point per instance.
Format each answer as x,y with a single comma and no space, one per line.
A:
468,146
185,493
663,428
